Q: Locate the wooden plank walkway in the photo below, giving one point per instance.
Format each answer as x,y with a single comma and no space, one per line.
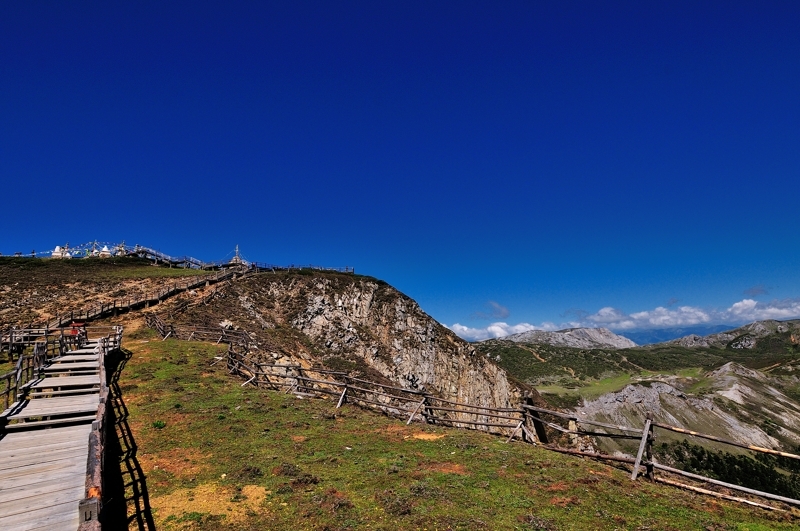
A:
45,452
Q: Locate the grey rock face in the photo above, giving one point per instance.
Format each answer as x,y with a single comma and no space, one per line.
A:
378,327
691,341
574,337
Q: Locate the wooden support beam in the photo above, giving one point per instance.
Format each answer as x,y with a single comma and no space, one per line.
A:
519,426
642,444
343,398
416,409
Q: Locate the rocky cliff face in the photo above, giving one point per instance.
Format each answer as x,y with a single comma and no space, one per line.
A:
357,323
574,337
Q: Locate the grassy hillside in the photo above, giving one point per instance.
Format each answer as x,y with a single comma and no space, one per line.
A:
570,371
34,290
221,456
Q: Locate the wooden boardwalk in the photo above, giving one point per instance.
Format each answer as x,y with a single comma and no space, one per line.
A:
51,448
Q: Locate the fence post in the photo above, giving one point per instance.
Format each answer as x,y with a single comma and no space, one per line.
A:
527,433
538,425
416,409
343,398
427,412
651,437
643,444
11,344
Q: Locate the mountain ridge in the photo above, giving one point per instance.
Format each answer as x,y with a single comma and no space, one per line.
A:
742,337
574,338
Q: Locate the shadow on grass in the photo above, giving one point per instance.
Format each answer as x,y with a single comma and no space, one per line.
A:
127,505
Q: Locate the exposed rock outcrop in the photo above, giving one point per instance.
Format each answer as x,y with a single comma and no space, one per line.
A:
574,337
359,322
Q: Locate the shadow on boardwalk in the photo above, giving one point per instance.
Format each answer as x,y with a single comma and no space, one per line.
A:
126,504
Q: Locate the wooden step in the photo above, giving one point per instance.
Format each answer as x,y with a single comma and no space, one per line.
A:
72,366
53,422
76,358
85,372
61,382
46,394
49,407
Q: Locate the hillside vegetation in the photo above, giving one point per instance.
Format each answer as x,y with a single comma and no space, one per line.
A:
221,456
742,385
567,375
217,455
35,290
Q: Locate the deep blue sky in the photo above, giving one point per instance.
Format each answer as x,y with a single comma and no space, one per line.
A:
555,158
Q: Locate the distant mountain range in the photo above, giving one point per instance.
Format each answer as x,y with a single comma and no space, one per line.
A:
744,337
695,336
648,337
741,384
574,337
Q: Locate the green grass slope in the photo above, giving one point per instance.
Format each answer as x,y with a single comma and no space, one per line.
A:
571,372
221,456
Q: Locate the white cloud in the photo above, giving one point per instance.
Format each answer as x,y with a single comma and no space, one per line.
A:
494,330
743,307
750,310
606,315
664,317
741,312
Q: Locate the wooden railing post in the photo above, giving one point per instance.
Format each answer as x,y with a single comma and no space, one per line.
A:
651,437
527,422
343,397
427,412
538,425
416,409
644,444
11,344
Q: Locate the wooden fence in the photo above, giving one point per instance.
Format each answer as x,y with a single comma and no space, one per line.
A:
92,502
117,306
645,459
197,333
261,266
14,340
528,421
31,361
38,352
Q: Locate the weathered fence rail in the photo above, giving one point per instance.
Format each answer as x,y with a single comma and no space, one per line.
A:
262,266
644,457
14,340
29,365
84,488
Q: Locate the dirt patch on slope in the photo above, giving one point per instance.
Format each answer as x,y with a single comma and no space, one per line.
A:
209,499
427,436
447,468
